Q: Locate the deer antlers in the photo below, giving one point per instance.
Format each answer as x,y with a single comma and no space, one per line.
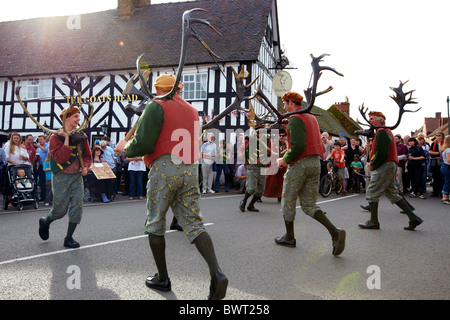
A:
240,97
310,94
144,93
87,118
401,98
188,32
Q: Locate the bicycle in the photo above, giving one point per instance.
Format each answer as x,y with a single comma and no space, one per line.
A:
330,181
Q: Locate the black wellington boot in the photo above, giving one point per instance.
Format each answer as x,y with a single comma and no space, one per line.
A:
44,226
288,240
69,242
414,220
251,206
244,201
373,222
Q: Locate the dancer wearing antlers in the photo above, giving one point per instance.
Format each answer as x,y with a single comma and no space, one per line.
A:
383,165
302,176
302,157
173,175
70,161
172,181
384,160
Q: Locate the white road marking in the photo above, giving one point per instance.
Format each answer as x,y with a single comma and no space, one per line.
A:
82,247
133,238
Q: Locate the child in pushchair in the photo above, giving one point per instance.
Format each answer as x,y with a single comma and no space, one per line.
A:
21,188
22,180
97,189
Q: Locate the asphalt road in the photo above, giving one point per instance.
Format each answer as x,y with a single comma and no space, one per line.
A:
114,258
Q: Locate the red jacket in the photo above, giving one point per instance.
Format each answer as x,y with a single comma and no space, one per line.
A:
179,134
314,144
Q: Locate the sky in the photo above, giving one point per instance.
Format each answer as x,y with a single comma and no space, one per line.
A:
375,44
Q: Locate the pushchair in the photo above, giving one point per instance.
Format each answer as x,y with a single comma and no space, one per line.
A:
93,188
21,190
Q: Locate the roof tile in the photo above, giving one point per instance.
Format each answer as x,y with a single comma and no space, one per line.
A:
47,46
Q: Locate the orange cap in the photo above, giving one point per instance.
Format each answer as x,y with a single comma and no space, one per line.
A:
165,82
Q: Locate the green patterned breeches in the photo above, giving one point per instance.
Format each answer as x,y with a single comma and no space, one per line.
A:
68,191
301,181
382,180
255,182
173,186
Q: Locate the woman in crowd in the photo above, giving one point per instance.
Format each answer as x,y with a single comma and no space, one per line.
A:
425,146
136,169
16,153
351,150
105,186
416,158
436,163
445,169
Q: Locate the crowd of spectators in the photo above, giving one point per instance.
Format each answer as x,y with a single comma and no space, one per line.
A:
420,163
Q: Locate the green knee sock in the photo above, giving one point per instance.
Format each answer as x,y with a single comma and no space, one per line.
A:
70,229
373,208
320,216
205,246
406,207
158,247
289,229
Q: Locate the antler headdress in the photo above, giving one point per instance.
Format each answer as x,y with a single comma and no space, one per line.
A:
401,98
76,85
145,93
310,95
240,97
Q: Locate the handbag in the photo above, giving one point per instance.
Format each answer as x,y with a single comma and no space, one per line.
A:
436,162
214,166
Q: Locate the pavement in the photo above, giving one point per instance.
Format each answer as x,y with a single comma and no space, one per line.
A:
114,258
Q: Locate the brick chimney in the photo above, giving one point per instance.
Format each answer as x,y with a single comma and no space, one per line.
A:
440,119
344,106
126,8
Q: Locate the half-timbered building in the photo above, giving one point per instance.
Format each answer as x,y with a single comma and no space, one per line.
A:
101,48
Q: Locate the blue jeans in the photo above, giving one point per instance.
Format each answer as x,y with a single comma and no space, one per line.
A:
424,178
445,170
226,172
136,185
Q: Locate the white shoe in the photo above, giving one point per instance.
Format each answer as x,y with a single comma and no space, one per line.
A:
211,191
204,192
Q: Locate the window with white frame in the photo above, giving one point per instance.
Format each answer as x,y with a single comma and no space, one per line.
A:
33,89
36,89
2,85
195,86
